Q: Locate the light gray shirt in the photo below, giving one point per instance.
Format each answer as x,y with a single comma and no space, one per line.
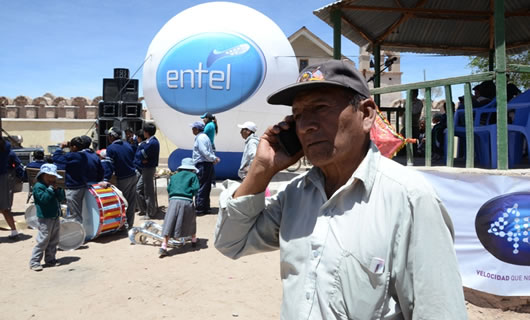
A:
202,149
251,145
379,248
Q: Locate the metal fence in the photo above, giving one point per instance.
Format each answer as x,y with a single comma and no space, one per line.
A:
502,128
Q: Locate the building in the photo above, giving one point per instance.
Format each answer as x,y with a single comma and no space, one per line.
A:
310,49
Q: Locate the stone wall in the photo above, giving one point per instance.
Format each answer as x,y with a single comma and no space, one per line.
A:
49,106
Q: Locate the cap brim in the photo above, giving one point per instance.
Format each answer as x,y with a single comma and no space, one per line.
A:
51,174
287,94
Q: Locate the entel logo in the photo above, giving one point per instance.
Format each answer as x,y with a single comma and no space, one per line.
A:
213,71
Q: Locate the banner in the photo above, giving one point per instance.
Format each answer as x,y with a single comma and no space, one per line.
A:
491,216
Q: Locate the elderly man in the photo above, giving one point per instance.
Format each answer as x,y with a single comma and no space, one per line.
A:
248,133
204,159
360,236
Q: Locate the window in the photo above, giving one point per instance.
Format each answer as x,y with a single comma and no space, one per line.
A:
303,64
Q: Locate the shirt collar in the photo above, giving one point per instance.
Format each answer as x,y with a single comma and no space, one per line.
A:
365,172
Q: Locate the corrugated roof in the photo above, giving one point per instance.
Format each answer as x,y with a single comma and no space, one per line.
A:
452,27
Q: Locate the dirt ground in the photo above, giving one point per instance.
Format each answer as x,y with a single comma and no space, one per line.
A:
111,279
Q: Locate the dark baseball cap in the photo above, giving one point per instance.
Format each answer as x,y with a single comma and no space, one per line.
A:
332,73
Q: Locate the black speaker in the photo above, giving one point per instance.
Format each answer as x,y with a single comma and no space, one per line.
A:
120,89
130,109
109,109
122,73
104,125
111,89
130,90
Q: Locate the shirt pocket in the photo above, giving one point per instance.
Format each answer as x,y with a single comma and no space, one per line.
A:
358,293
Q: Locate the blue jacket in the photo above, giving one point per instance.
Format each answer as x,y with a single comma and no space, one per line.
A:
94,173
4,157
150,152
14,163
138,156
122,156
107,168
75,165
35,165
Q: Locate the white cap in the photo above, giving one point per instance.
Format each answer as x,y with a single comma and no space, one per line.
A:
248,125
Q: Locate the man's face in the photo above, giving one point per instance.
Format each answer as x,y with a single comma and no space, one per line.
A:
195,131
245,133
329,128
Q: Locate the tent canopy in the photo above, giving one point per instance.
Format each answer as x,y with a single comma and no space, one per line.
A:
449,27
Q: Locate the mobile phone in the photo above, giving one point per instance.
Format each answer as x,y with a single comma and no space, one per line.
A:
289,141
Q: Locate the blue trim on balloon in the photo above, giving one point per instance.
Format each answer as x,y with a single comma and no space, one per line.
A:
226,169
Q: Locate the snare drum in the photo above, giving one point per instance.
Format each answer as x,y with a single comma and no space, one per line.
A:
103,211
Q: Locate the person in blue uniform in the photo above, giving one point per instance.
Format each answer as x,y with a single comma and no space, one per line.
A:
94,170
75,165
149,153
121,156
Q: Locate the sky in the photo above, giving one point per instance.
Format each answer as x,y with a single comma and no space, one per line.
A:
68,47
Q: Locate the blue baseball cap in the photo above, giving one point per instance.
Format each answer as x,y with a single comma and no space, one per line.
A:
197,125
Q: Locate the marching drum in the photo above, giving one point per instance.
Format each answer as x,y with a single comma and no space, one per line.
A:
103,211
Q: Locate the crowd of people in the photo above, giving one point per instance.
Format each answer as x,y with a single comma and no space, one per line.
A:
129,161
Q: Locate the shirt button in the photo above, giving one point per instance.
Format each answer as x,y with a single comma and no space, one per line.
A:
307,295
315,253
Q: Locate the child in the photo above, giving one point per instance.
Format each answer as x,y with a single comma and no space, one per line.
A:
47,200
180,220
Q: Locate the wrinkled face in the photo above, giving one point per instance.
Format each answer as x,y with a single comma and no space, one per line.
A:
49,179
329,128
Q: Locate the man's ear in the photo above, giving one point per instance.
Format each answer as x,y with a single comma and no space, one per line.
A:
368,107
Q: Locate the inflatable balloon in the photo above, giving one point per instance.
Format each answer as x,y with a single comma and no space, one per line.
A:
218,57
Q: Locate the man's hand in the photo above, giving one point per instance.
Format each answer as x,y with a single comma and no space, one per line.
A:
217,160
270,159
104,184
64,144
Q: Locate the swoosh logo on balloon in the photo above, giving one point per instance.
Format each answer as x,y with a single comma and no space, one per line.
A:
232,52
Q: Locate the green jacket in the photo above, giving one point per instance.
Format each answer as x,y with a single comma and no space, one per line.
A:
47,200
183,184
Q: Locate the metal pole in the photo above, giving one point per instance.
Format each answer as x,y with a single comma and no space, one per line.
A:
470,136
337,24
377,74
500,81
491,60
408,128
450,126
428,121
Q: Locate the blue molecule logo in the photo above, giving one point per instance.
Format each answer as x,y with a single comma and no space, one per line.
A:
210,72
503,227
